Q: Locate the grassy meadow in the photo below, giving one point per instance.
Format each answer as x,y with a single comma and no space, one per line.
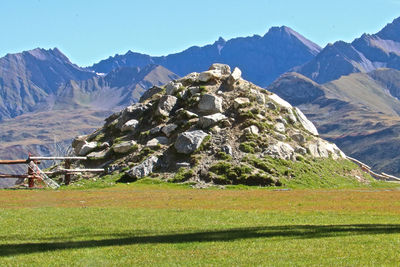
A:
158,224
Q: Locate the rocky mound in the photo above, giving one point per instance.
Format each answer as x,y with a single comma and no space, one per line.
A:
209,127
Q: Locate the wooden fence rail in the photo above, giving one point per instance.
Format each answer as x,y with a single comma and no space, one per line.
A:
35,173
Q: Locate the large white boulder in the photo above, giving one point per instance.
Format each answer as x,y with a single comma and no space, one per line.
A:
210,104
308,125
130,125
208,75
223,68
280,150
188,142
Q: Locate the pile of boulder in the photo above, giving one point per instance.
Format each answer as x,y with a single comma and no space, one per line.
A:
199,121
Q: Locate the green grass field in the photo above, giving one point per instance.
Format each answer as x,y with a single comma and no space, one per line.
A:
163,224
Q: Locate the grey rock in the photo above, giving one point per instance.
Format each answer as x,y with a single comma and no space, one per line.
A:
299,138
194,90
188,142
143,169
150,92
161,140
190,78
280,127
134,111
280,101
210,120
130,125
291,117
208,75
235,75
270,105
301,150
86,148
240,102
169,128
280,136
308,125
78,142
156,129
280,150
172,87
123,147
210,104
282,120
98,154
166,104
252,130
223,68
260,98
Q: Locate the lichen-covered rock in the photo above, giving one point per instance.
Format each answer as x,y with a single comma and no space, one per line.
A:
124,147
210,104
166,104
188,142
223,68
143,169
308,125
210,120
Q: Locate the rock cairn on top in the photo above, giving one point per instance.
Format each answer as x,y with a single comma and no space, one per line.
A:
209,127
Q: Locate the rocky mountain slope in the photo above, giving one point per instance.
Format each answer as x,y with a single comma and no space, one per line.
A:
31,77
364,54
262,58
214,127
359,112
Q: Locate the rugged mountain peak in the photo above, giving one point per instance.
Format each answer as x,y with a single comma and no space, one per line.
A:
208,127
391,31
284,32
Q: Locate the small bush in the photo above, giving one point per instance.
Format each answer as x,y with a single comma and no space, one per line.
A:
248,147
182,175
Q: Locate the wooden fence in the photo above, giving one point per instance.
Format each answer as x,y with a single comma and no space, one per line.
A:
35,173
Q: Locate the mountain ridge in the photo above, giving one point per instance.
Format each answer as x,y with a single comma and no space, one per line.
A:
262,58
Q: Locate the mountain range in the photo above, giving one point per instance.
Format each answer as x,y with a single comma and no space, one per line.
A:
350,90
261,58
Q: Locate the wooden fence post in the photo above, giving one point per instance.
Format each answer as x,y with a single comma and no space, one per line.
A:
31,181
67,165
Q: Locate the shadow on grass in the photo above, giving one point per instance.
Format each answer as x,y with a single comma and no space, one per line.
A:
286,231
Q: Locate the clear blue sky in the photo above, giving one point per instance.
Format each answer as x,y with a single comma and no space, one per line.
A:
90,30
